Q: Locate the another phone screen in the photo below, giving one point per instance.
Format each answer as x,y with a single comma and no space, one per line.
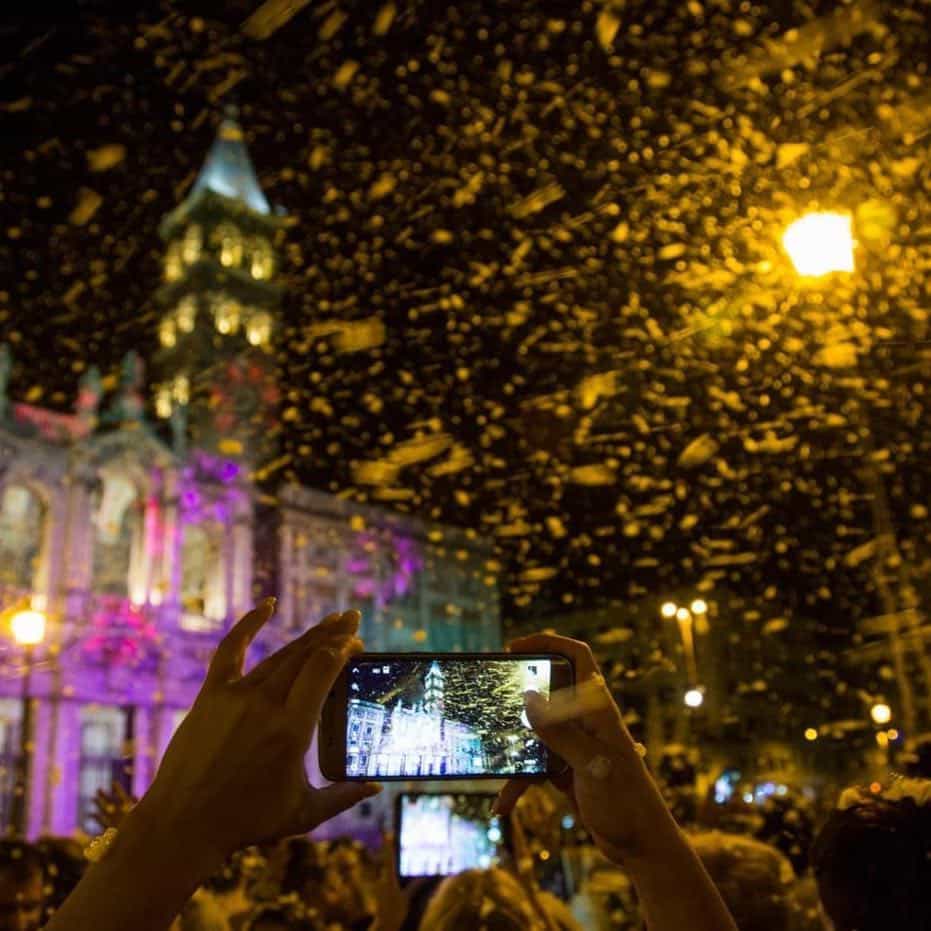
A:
443,834
434,717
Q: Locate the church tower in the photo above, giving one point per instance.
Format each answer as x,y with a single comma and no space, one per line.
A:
218,306
434,690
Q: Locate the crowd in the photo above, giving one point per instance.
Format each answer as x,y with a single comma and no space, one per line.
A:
219,842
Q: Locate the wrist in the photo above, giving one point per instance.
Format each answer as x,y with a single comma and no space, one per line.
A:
166,836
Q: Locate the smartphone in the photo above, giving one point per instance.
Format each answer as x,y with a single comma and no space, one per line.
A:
442,833
428,716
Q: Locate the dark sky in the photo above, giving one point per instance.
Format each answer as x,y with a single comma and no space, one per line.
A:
566,217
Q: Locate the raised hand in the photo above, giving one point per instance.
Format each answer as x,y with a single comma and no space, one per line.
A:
110,808
234,771
606,780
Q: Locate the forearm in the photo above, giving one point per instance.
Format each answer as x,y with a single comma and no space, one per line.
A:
674,889
142,881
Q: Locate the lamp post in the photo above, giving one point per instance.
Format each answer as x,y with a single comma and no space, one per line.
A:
820,244
28,628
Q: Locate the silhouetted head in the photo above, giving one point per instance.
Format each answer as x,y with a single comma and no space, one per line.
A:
872,859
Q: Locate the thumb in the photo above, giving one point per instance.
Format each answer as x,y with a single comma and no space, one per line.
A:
564,737
331,801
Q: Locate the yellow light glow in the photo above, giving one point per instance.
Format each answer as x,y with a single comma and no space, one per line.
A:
881,713
694,698
163,403
259,329
893,733
820,243
166,333
882,738
683,614
699,606
28,627
811,733
668,610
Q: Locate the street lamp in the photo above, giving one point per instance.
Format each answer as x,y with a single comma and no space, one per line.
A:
28,627
694,698
811,733
820,243
668,610
881,713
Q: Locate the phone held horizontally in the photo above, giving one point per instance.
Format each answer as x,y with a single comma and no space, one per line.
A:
429,716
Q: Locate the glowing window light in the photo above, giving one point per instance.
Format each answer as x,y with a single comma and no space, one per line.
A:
163,403
261,261
227,316
181,389
173,268
167,335
193,239
28,627
820,243
230,246
259,329
668,610
187,313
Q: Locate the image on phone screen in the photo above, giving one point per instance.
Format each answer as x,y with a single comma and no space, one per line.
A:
421,717
443,834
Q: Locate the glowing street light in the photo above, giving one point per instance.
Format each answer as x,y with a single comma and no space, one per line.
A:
28,627
694,698
699,606
811,733
668,610
820,243
683,615
881,713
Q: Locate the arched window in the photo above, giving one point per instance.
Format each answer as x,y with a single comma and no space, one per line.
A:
230,241
22,528
190,250
118,531
262,264
203,595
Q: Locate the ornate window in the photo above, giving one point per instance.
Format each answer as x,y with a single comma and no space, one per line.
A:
230,244
203,596
259,329
103,732
173,265
118,534
226,314
10,721
262,264
22,529
167,333
187,314
193,239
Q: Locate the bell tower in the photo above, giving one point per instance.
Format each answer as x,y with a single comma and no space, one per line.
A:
218,307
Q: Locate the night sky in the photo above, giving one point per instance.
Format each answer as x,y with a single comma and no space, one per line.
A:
559,225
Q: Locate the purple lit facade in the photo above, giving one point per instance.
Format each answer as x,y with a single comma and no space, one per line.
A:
143,550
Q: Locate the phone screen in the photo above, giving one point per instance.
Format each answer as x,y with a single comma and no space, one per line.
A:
443,834
424,717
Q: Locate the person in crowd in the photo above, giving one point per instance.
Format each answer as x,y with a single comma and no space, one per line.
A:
482,900
788,826
284,917
755,879
872,859
22,896
223,902
234,775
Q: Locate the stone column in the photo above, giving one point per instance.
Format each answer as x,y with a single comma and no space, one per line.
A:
66,756
144,751
39,771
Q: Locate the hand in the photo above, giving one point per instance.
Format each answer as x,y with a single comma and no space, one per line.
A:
606,780
392,901
111,808
233,774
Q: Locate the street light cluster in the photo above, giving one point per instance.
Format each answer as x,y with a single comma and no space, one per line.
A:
671,610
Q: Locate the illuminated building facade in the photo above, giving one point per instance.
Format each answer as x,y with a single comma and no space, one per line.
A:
415,741
143,540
